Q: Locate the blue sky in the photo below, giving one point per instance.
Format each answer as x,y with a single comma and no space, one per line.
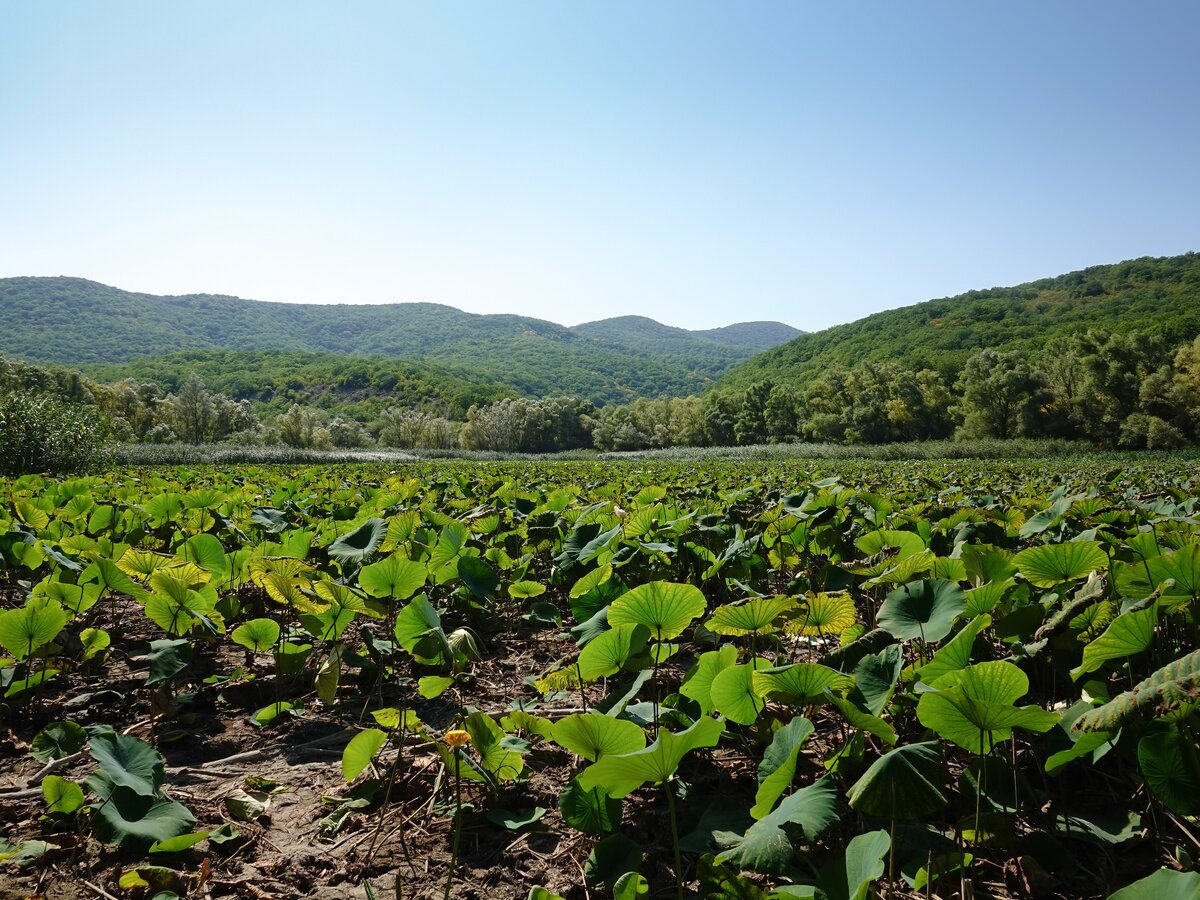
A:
700,163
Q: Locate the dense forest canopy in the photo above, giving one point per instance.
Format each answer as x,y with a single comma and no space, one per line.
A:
77,322
1159,297
1110,355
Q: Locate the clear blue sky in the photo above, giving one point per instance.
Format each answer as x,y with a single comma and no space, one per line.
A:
697,162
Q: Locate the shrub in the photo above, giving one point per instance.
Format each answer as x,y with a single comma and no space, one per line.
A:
43,434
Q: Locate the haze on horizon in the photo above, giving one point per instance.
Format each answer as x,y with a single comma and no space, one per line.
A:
699,163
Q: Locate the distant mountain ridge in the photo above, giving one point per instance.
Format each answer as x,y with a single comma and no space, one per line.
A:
76,322
1158,296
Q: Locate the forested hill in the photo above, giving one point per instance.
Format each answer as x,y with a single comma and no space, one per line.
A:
1160,297
77,322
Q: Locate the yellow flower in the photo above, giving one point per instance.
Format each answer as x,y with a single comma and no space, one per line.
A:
456,738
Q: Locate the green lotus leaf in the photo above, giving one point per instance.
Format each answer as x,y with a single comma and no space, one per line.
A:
606,654
801,683
697,684
823,614
395,577
495,757
904,783
1049,565
1171,768
480,578
206,551
973,707
594,735
755,616
922,609
664,607
24,630
132,819
590,811
58,740
956,654
129,762
619,775
357,546
769,845
733,695
778,767
257,634
1165,884
167,659
362,748
613,857
62,795
850,877
1127,634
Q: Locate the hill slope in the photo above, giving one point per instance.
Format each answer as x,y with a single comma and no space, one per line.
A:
77,322
1158,296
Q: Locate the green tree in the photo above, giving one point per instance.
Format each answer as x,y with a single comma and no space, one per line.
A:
999,390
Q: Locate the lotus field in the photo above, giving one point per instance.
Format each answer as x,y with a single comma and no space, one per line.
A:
585,680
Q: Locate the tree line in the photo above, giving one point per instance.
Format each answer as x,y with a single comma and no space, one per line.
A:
1121,390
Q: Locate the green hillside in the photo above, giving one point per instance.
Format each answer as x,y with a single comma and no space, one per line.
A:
275,379
77,322
1160,297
